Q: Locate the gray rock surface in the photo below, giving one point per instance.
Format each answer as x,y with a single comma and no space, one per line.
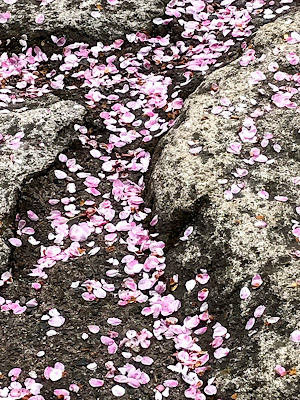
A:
185,192
73,18
45,124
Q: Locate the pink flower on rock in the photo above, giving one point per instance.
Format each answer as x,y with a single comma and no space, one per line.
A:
107,78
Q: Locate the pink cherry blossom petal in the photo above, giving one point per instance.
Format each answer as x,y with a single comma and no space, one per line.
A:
60,174
170,383
118,391
56,321
250,324
210,390
280,370
40,18
295,336
273,320
114,321
15,242
221,352
94,328
263,194
55,374
256,281
258,312
244,293
32,216
94,382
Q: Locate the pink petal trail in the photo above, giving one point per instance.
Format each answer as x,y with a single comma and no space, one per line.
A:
129,89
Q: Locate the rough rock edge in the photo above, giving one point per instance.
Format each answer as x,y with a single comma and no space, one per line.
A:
72,18
183,186
44,121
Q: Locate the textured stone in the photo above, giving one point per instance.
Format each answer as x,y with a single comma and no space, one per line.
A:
73,18
45,124
185,191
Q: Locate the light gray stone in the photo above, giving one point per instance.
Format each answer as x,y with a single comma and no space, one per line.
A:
72,18
185,191
47,131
